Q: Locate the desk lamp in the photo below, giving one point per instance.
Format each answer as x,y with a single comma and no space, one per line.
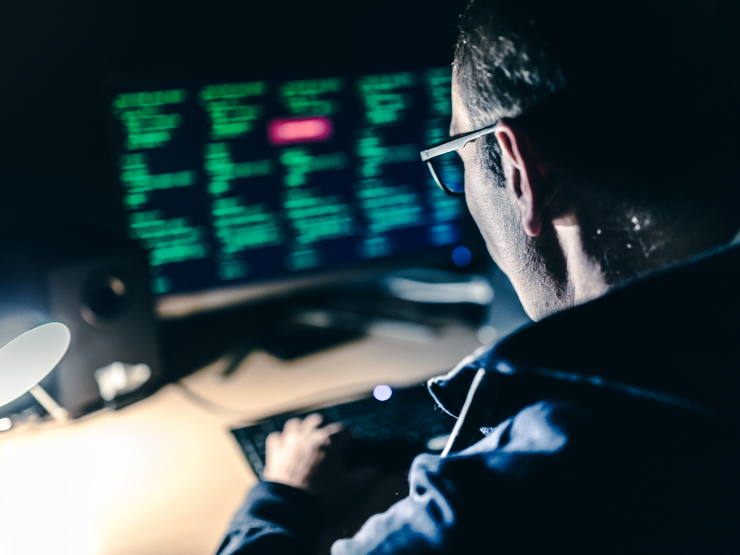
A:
27,359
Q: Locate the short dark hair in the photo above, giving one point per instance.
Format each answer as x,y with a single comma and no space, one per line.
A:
581,77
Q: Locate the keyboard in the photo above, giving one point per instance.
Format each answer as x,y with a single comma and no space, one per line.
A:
386,434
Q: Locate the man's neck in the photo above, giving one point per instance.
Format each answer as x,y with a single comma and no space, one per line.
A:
584,274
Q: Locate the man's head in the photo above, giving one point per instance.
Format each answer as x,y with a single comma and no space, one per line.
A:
618,127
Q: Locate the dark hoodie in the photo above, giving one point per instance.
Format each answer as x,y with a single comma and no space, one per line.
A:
607,428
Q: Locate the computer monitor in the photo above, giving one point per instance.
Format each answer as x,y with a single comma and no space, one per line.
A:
242,187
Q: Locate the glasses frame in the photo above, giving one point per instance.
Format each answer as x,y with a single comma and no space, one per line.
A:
450,145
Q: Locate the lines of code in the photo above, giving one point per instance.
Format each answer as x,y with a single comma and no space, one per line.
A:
233,109
231,182
149,118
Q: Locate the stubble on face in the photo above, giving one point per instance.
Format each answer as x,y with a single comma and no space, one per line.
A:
536,266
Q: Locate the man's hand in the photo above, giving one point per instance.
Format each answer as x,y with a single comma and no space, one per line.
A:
307,456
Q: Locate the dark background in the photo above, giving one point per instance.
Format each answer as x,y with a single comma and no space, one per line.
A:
60,197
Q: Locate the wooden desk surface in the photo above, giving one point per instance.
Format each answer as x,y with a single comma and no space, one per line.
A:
164,476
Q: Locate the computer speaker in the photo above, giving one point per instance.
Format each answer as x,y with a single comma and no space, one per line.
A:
114,355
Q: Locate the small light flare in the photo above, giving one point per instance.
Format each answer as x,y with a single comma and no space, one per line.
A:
382,392
461,256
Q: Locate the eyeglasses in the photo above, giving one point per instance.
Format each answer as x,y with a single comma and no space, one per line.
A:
445,164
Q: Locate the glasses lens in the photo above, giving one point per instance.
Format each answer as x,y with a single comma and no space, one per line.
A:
449,169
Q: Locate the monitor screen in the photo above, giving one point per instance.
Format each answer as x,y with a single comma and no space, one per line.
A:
235,186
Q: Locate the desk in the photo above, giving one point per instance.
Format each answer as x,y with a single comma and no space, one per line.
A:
164,476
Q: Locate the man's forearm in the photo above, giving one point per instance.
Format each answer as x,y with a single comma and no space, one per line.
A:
275,519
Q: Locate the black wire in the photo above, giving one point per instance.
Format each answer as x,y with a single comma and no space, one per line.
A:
208,405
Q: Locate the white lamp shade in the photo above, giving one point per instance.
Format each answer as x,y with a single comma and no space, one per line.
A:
26,360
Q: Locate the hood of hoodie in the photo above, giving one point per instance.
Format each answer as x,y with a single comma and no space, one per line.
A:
670,337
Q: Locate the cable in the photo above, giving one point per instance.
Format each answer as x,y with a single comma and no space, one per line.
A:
208,405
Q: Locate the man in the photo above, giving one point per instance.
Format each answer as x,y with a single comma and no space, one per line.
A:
603,181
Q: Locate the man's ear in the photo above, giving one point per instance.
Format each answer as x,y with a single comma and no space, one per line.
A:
526,176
